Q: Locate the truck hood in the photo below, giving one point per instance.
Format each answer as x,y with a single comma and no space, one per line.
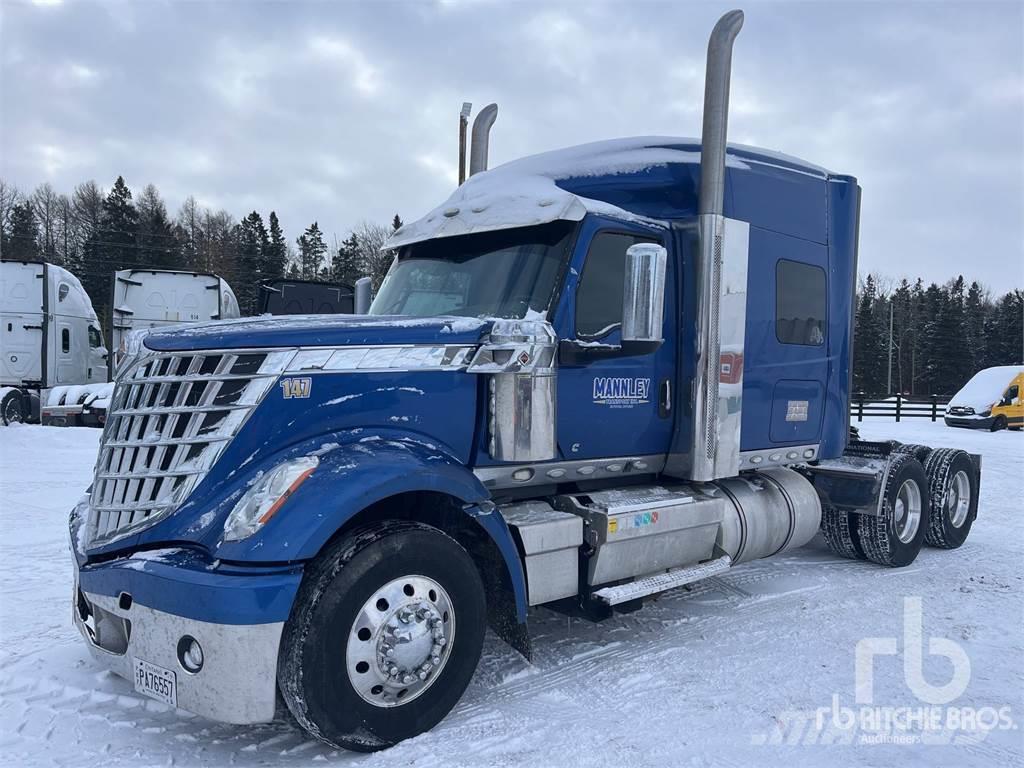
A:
316,331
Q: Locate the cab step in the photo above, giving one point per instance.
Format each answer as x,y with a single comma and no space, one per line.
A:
650,585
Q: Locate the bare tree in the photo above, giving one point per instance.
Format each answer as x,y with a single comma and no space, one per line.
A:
189,227
45,202
374,259
9,197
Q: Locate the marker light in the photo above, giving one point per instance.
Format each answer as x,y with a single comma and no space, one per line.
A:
267,495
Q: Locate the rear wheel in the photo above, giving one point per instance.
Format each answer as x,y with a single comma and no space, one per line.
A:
839,529
13,408
953,493
896,536
919,452
384,637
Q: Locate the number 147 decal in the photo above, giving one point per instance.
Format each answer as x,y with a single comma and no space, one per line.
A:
296,387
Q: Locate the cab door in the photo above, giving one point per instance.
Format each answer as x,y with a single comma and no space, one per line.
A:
610,404
1011,405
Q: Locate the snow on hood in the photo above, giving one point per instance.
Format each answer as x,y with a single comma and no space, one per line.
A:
986,387
316,331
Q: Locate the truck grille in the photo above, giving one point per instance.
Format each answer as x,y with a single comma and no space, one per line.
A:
170,418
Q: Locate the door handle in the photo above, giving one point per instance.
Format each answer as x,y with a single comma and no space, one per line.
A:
665,399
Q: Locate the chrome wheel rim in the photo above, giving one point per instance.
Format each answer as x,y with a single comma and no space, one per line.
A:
958,499
907,511
400,641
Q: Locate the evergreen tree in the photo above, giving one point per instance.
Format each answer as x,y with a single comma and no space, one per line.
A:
110,247
345,267
312,250
276,257
396,223
156,243
869,346
1004,332
975,310
252,242
23,240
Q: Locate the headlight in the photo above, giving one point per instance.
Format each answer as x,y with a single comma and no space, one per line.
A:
266,496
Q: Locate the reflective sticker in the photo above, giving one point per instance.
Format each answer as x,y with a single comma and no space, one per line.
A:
613,525
300,387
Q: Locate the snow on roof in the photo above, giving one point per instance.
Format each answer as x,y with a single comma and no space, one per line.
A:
986,387
524,192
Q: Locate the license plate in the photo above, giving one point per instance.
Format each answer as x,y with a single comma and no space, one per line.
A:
160,683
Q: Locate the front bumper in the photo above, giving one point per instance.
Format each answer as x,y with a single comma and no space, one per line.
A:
237,683
139,607
971,422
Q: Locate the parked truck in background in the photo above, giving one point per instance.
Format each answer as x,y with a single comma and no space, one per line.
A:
305,297
153,298
51,341
590,376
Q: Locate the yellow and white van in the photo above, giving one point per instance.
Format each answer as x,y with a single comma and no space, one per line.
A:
993,399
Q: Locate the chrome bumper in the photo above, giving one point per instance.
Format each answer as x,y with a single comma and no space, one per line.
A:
238,680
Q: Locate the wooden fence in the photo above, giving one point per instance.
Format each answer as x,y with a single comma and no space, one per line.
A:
898,406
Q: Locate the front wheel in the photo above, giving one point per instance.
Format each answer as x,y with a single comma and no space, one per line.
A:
384,637
13,408
999,424
895,537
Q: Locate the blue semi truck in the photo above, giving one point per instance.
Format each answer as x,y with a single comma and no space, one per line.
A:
590,376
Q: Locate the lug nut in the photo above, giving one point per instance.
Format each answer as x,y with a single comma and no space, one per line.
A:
436,660
422,675
408,679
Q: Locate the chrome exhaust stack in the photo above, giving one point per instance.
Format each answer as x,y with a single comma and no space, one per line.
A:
721,275
481,138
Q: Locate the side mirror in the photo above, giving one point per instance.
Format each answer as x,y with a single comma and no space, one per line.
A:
643,294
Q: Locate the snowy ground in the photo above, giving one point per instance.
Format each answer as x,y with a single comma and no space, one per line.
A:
723,673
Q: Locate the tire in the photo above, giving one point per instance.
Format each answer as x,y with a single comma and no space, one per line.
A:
895,538
13,408
345,618
953,496
998,424
839,529
919,452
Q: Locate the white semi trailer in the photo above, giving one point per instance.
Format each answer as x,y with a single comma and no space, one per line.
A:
52,346
149,298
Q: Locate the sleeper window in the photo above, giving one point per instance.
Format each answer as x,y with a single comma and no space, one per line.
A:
599,296
65,340
799,303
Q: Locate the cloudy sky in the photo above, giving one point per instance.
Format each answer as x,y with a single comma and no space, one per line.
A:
347,111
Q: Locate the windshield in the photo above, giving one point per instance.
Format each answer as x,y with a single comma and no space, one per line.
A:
491,274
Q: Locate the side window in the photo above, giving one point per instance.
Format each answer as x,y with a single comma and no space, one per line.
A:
1011,394
599,296
800,301
65,340
62,291
95,340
